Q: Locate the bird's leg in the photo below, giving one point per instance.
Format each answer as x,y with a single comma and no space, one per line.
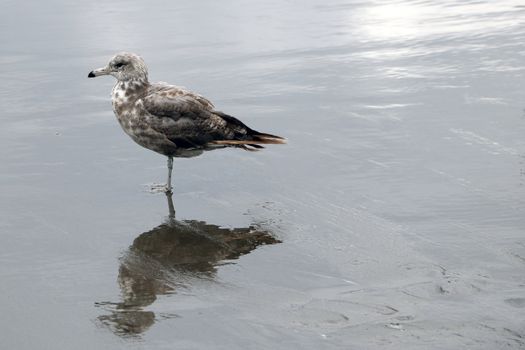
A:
170,168
171,207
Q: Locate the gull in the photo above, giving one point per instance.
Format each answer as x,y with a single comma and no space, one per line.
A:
172,120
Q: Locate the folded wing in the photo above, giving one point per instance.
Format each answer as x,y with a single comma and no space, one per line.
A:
190,121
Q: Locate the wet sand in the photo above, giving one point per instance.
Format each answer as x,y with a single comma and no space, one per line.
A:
393,218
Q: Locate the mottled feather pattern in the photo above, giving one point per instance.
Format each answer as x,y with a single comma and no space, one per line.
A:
172,120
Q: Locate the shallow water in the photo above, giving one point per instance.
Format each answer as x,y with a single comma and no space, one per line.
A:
393,219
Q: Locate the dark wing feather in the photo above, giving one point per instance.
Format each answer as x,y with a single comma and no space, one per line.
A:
189,120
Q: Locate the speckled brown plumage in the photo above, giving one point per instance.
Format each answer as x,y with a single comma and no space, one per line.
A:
169,119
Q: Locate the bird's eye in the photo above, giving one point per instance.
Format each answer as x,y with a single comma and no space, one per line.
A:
120,64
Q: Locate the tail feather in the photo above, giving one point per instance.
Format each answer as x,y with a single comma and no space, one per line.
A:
251,148
268,138
244,135
255,141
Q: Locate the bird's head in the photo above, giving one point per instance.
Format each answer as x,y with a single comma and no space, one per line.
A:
124,66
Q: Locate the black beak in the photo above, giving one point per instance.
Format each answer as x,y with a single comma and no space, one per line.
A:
91,75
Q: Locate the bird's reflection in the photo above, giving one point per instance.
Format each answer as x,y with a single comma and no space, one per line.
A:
169,257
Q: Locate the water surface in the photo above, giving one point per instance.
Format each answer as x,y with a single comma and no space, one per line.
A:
393,219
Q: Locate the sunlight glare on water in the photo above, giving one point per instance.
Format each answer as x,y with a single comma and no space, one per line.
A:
407,20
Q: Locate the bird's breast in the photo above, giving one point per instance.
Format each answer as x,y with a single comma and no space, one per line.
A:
137,122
